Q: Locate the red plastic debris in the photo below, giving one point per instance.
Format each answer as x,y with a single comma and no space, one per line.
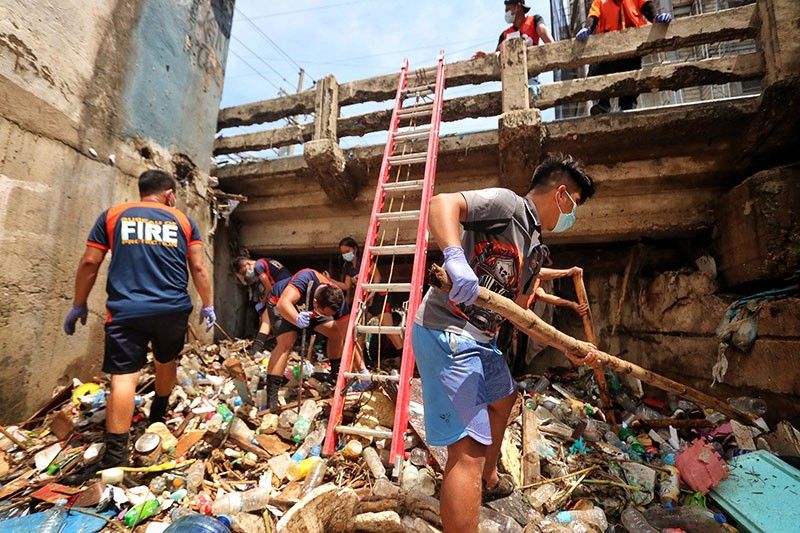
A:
701,466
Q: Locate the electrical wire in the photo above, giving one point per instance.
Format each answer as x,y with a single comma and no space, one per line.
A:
254,69
304,10
273,43
273,69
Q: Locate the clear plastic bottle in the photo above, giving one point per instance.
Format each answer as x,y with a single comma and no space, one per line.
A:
410,477
192,522
185,381
353,449
314,478
194,477
374,462
694,519
418,457
755,406
242,431
301,469
302,426
241,502
634,522
312,439
56,518
595,517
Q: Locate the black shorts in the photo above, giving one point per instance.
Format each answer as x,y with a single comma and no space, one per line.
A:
279,325
127,340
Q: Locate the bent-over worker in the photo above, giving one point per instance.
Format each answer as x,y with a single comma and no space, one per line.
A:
268,272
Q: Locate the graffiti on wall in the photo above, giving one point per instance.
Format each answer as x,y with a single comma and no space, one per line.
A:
210,25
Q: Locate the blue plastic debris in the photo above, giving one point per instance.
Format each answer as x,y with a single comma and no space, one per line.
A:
77,522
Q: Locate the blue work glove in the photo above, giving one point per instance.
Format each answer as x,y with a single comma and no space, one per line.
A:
465,282
260,307
663,18
77,311
304,319
582,35
208,317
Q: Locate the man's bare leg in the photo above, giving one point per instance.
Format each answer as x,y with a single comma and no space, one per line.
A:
280,355
460,498
166,377
498,419
119,409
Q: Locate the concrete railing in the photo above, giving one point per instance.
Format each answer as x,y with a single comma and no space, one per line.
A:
512,67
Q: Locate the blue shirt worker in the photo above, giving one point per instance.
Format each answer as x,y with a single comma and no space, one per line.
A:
148,303
268,272
467,388
326,313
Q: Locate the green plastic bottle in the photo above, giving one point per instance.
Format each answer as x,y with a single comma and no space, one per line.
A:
141,513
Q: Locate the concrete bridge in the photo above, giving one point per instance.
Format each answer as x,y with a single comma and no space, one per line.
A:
674,183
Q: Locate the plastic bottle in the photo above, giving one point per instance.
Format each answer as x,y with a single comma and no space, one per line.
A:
301,469
694,519
241,502
56,518
418,457
194,475
595,517
755,406
158,485
426,484
410,477
185,381
141,512
353,449
225,413
196,523
374,462
242,431
669,491
634,522
314,478
312,439
303,424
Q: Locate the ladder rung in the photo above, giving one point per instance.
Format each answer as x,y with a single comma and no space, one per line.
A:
416,110
380,330
428,87
408,159
397,249
399,215
372,377
387,287
364,432
423,133
412,185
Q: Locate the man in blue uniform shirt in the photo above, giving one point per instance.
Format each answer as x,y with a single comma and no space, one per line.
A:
151,243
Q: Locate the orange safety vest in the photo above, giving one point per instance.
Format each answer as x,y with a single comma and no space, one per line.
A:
528,28
613,16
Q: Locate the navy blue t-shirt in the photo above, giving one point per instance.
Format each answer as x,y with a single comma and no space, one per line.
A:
300,281
274,270
149,245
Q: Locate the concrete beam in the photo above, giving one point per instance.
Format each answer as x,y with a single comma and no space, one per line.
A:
758,230
514,76
780,20
326,162
267,110
326,108
725,25
657,78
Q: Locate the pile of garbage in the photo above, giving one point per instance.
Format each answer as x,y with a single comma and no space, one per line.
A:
223,462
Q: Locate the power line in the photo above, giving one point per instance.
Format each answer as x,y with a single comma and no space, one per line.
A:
292,12
273,69
273,43
254,69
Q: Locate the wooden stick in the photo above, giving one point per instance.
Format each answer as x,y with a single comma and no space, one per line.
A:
560,478
678,423
531,324
531,471
612,483
588,328
13,439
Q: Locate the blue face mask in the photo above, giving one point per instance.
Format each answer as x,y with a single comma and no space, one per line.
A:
349,256
565,220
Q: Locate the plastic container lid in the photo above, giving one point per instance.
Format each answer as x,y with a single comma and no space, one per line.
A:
147,443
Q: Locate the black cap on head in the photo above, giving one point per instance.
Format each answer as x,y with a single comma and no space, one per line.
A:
514,2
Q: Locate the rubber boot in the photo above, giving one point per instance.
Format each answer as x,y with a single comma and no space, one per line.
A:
116,454
334,374
258,344
158,409
273,386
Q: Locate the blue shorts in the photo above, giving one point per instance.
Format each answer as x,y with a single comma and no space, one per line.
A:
460,378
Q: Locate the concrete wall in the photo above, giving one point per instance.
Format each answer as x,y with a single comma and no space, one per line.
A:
138,84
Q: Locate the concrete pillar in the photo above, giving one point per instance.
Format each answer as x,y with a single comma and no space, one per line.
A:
520,126
757,237
780,20
514,76
323,155
326,108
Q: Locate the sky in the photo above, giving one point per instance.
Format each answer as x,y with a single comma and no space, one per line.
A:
357,39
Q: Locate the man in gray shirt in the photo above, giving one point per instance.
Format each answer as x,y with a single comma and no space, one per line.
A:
467,387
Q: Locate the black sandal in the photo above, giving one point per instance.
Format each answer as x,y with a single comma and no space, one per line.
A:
504,487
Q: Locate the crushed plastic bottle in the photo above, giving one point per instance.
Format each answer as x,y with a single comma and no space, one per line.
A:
669,491
224,411
56,518
595,517
141,513
314,478
374,462
634,522
241,502
418,457
302,426
194,477
301,469
312,440
409,477
755,406
694,519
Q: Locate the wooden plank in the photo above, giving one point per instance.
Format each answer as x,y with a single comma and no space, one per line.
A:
725,25
658,78
531,470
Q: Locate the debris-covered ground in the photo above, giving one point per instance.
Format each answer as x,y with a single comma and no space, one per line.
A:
223,462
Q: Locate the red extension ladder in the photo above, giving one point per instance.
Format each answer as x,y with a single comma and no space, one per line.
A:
401,154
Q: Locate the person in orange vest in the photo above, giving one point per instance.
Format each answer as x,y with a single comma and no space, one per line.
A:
613,15
531,28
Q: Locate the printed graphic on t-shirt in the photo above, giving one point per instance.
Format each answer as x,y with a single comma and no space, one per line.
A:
498,267
138,230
